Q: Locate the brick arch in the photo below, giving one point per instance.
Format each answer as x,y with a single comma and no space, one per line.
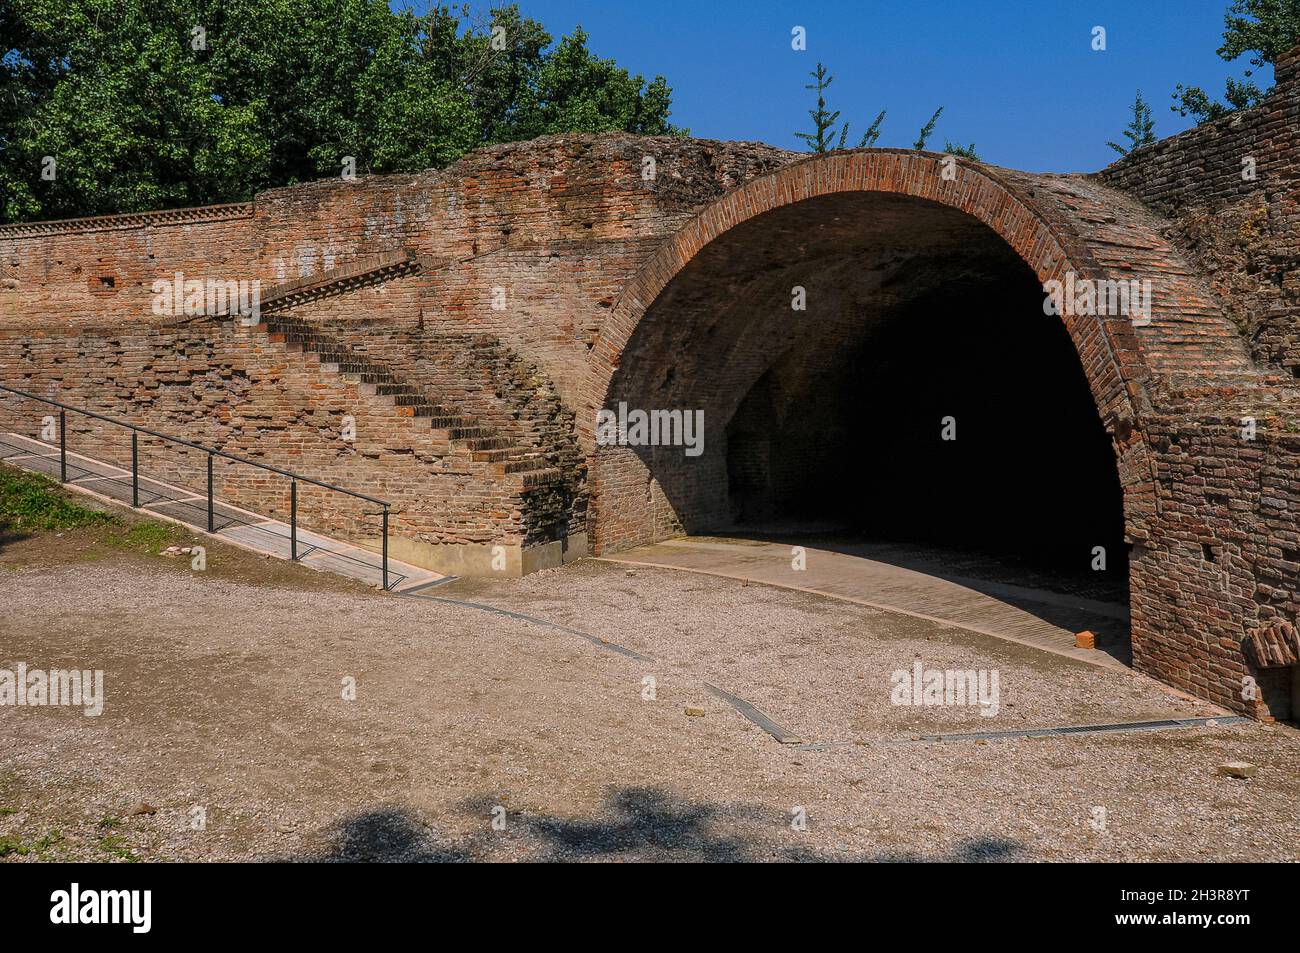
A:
1055,224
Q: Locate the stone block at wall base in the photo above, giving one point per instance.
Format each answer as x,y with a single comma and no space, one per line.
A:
476,559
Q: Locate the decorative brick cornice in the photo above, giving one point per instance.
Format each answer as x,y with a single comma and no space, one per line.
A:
110,223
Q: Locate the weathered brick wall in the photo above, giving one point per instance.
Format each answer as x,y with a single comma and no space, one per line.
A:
521,249
1226,561
548,230
226,387
476,373
558,224
500,302
100,271
1231,191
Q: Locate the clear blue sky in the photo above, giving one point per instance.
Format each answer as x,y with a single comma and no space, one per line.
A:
1017,77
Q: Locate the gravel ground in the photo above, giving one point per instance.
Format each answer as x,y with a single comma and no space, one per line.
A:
818,666
226,695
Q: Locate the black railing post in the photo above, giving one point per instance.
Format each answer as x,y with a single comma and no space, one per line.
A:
211,521
293,520
63,446
135,469
385,547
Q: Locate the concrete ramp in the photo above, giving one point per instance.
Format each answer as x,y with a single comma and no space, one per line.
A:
1030,616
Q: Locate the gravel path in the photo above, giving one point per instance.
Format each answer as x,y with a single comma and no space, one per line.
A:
227,697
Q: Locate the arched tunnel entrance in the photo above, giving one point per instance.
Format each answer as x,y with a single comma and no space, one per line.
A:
876,374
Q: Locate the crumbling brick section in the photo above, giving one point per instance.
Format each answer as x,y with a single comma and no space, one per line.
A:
1231,191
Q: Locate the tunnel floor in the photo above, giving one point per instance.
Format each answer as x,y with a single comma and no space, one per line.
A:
994,595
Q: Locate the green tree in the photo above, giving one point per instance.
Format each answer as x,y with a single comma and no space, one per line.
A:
873,131
149,104
823,119
119,112
1140,131
579,92
1264,28
823,138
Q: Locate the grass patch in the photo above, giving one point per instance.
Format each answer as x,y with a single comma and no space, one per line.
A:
148,536
32,502
115,846
12,846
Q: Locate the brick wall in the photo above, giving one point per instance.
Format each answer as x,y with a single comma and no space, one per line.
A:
101,270
1230,193
548,230
475,373
227,387
1231,189
518,252
473,321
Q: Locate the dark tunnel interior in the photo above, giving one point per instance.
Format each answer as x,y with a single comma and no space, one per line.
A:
1028,474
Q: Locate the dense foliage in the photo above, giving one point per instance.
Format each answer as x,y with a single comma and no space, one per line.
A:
145,104
1263,28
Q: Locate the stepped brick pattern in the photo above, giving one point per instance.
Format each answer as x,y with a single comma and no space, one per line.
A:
445,341
250,392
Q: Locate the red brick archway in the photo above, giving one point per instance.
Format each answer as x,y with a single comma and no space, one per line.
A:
1055,224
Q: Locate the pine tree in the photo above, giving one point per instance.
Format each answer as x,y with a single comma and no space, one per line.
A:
1141,131
873,133
927,130
823,119
823,138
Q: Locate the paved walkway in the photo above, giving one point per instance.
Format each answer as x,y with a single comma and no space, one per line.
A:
233,524
1037,617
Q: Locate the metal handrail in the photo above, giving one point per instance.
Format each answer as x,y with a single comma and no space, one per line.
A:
212,454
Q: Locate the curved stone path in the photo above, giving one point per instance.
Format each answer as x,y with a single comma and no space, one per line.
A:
1036,617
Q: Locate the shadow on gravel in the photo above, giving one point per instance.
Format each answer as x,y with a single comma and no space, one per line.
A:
384,836
10,536
637,824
